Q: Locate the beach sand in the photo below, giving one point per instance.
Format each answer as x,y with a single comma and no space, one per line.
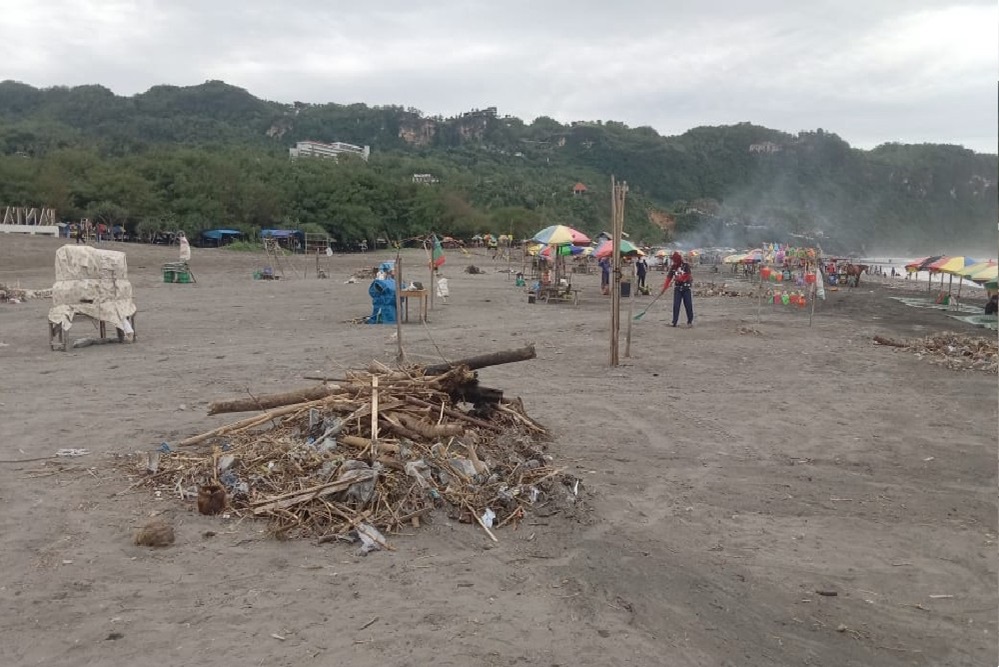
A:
729,475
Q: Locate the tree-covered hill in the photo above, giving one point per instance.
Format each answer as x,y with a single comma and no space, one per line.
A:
215,155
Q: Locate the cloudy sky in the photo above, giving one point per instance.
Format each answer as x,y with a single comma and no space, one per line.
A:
871,70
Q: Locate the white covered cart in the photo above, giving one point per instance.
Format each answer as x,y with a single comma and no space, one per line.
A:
93,283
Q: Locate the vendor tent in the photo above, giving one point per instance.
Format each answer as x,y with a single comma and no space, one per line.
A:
220,237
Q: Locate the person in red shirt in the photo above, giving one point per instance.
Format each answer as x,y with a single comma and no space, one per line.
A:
679,275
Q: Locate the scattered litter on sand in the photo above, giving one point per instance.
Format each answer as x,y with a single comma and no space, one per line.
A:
955,351
312,468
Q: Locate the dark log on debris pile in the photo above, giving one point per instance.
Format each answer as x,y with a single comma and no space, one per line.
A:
483,360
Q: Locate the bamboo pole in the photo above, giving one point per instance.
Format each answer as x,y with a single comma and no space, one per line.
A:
374,414
815,289
400,355
631,309
615,286
759,298
430,265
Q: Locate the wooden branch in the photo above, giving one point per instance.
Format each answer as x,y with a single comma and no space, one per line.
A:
293,498
249,422
430,431
451,412
269,401
484,360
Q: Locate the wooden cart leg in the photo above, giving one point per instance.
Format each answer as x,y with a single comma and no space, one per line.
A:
57,337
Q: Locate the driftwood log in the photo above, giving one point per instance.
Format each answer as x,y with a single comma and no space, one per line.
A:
268,401
484,360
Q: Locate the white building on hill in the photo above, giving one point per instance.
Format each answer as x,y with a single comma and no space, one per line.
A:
334,150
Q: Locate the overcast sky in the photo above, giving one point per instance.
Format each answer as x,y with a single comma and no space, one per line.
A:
872,70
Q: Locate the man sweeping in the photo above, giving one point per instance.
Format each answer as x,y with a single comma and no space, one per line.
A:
679,275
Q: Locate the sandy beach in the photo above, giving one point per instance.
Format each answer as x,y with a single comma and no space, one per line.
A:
732,472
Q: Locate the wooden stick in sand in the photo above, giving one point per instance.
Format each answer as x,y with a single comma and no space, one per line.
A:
374,416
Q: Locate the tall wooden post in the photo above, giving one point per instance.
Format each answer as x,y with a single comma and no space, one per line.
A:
618,192
433,273
631,309
400,355
615,282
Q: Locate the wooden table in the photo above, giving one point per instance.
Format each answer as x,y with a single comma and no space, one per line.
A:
422,295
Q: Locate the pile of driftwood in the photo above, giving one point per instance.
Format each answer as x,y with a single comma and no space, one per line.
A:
955,351
377,449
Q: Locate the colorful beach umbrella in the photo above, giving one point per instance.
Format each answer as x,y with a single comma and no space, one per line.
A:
561,235
986,274
954,265
972,269
606,249
922,264
564,250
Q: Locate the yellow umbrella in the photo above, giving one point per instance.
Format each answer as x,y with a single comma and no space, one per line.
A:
734,259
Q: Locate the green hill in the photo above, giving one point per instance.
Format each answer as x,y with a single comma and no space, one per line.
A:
215,155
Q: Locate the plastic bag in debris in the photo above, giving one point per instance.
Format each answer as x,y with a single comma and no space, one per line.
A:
420,471
463,466
362,479
371,539
487,518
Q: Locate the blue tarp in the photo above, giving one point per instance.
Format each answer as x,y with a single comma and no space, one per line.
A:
382,294
219,234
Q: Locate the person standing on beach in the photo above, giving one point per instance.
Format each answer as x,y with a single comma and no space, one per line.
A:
605,267
679,275
642,267
185,248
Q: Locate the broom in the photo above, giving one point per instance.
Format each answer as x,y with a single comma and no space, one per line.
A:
642,314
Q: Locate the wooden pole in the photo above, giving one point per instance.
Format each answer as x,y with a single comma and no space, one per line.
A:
400,355
433,275
631,309
759,298
615,282
815,289
374,414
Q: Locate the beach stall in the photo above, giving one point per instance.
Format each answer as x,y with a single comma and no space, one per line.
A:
94,284
790,277
559,241
289,239
219,237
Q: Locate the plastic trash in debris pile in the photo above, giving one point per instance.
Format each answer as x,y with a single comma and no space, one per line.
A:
382,294
91,282
371,539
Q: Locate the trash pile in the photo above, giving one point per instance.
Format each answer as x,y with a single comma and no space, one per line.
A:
315,468
955,351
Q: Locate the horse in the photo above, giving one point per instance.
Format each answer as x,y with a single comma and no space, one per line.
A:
853,272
